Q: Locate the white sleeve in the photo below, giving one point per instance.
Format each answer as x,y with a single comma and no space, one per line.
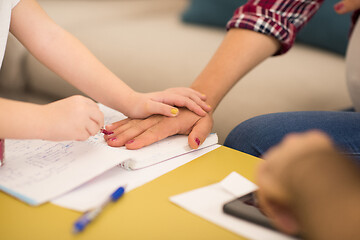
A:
5,15
14,3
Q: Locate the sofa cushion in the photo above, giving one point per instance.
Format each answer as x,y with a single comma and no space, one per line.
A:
326,30
210,12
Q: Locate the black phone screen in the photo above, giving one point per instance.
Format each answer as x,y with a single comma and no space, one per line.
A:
246,207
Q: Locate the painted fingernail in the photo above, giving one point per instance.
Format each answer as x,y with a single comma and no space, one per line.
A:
113,139
338,6
174,111
197,141
131,141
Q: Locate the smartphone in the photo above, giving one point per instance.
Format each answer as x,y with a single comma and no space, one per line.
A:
247,208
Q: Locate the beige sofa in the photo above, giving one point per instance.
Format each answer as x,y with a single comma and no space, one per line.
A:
145,43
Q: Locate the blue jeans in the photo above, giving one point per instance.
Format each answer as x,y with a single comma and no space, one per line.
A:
256,135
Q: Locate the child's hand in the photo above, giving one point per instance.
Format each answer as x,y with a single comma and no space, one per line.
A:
72,118
144,105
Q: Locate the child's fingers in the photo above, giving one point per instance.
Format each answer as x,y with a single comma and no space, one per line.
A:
197,97
183,97
201,103
195,105
87,129
154,107
179,101
92,128
194,97
98,117
187,92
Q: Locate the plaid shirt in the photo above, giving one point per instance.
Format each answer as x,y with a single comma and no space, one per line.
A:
281,19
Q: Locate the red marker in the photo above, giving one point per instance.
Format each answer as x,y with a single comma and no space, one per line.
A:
2,151
104,131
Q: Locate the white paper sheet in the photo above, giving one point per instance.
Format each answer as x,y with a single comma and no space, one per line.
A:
37,171
93,193
207,202
161,151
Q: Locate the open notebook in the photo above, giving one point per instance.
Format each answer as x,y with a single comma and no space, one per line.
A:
37,171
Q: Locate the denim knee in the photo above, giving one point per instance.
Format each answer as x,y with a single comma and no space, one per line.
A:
238,139
249,136
256,135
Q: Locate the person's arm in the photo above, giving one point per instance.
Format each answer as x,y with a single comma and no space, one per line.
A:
258,30
70,59
72,118
307,186
239,53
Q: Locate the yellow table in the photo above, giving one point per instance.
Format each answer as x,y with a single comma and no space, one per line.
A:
144,213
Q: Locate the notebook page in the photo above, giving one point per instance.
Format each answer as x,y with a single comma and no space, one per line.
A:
36,171
94,192
163,150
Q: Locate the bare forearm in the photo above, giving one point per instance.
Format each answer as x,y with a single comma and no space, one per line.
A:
72,61
241,51
67,56
19,119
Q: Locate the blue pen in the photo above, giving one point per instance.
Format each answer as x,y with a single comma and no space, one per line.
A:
87,217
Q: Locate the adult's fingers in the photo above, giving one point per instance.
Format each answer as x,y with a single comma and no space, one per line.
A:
121,127
347,6
281,215
110,128
113,126
157,132
182,124
135,127
273,204
200,131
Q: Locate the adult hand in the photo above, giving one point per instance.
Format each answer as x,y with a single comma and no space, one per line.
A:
346,6
276,176
137,133
72,118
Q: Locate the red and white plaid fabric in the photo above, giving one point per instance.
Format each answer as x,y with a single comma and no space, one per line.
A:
281,19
